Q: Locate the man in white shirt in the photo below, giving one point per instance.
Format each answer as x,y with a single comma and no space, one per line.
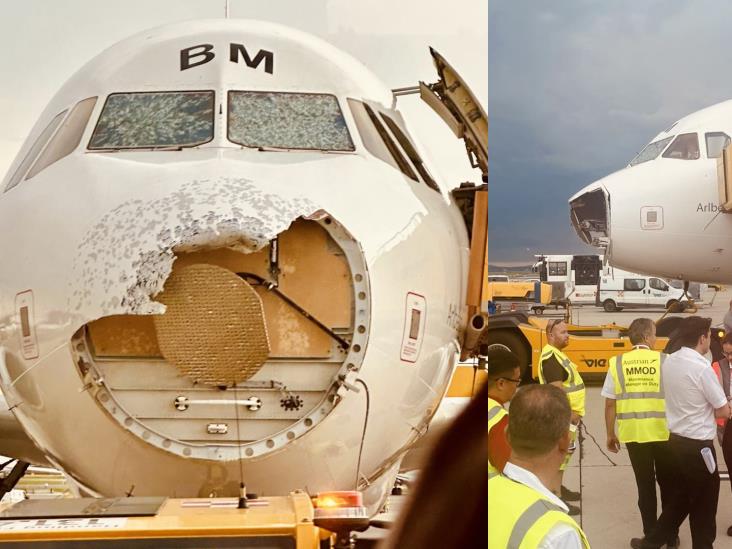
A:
694,398
522,510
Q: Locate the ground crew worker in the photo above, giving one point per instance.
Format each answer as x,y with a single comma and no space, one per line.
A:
556,368
504,375
634,395
693,399
522,512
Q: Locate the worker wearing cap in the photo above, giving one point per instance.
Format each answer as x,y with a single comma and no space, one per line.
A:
522,511
557,369
504,376
634,396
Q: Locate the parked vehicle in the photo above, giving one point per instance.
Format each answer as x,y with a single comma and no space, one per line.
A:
574,278
620,289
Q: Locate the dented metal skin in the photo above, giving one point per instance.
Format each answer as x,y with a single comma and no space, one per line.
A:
96,234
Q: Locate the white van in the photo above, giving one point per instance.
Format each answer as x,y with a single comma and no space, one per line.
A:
574,278
620,289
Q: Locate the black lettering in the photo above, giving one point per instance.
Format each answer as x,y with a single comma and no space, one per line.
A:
267,56
187,54
643,370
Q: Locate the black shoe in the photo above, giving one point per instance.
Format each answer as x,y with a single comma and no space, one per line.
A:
674,544
729,531
569,495
641,543
573,509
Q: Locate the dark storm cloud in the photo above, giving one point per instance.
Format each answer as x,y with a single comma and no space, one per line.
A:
576,89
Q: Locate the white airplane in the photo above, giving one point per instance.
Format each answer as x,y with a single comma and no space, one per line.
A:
224,258
666,213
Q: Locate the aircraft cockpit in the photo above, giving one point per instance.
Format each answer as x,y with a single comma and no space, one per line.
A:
684,146
264,121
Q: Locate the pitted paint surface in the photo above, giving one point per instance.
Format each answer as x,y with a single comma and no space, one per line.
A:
126,257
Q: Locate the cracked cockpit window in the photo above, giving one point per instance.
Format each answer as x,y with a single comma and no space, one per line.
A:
155,120
287,121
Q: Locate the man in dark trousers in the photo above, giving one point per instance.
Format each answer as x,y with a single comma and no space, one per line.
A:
694,398
723,369
557,369
633,396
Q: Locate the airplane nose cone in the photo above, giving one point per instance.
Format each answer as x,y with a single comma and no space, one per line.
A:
589,211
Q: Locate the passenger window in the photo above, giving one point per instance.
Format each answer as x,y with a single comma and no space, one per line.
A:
557,268
379,143
35,150
658,284
150,120
716,143
684,147
408,147
634,284
67,138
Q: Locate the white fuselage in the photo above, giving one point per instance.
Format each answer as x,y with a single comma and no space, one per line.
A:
661,214
96,233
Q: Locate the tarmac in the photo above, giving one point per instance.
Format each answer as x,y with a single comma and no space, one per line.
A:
610,514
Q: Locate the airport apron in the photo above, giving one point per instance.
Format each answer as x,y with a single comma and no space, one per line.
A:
574,386
519,517
495,413
639,404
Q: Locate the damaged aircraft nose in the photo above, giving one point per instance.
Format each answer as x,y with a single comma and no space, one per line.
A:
589,211
268,297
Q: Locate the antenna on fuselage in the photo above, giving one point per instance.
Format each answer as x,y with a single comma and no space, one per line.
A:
226,8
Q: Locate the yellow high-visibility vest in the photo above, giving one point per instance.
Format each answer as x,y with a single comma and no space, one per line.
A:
573,385
639,404
495,413
519,517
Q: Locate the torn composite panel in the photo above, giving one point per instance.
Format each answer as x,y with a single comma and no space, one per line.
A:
125,258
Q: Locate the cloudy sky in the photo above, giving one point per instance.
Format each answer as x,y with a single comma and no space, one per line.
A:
576,89
46,41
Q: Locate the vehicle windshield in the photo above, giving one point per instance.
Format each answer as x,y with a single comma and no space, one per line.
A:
287,121
155,120
651,151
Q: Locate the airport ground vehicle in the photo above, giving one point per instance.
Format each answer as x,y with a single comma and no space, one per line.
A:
574,278
619,289
294,521
590,347
518,295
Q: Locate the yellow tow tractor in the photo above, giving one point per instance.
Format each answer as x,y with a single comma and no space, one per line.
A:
590,347
296,521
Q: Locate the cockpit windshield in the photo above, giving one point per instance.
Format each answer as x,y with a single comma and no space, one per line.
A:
684,147
155,120
287,121
651,151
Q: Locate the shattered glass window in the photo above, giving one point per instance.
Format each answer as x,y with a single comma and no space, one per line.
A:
651,151
155,120
287,121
